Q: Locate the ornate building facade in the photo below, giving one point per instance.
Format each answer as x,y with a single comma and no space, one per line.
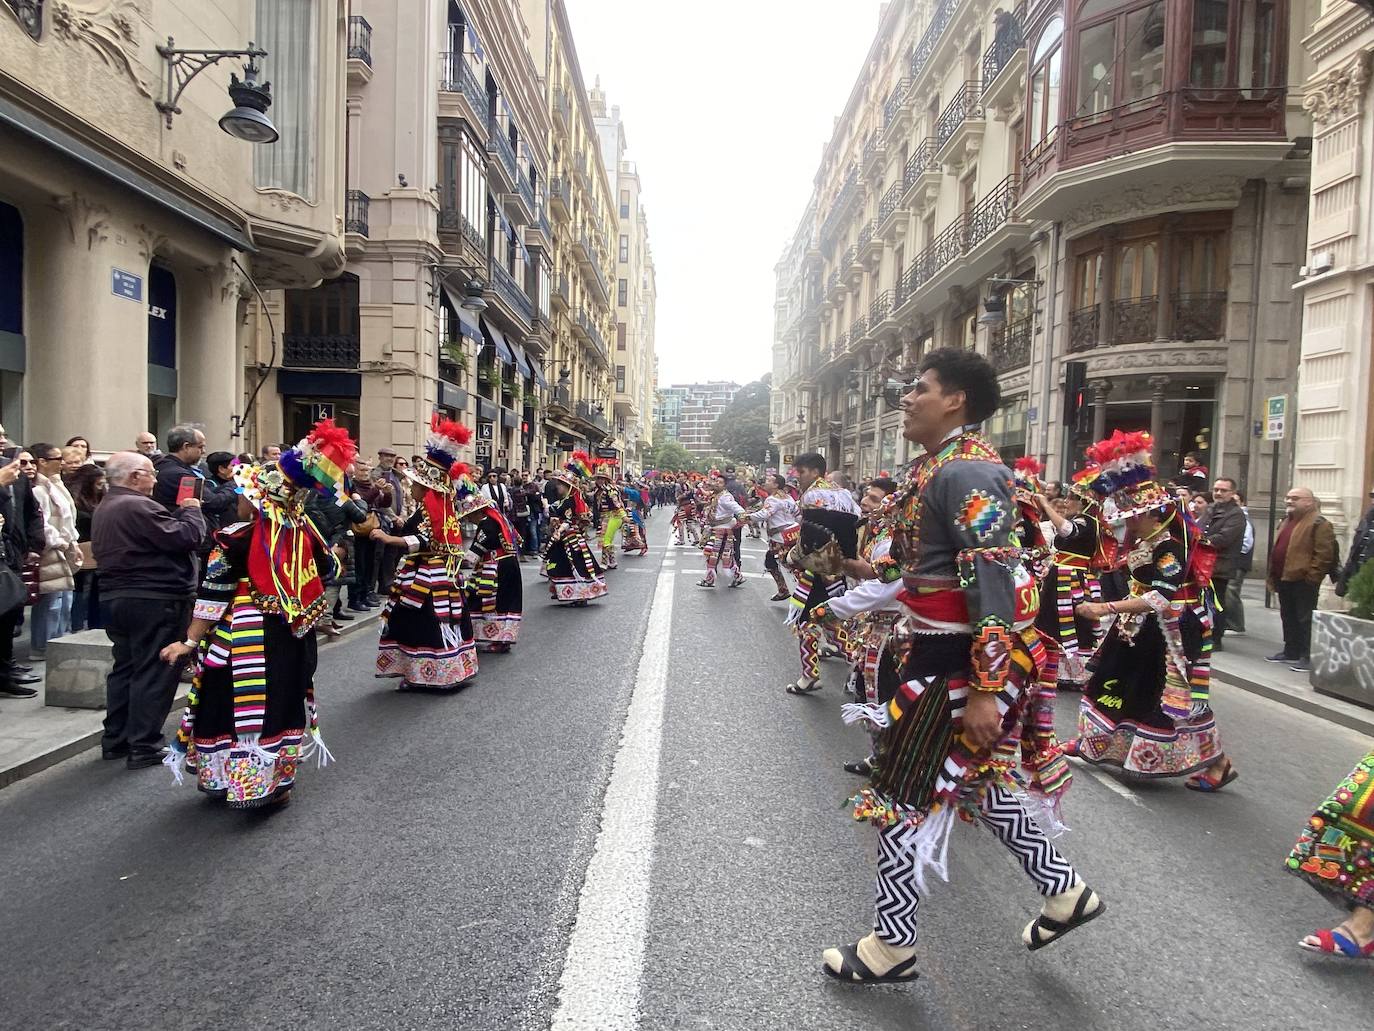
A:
1125,181
1334,431
132,234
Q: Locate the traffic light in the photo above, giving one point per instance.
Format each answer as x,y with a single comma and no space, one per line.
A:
1076,409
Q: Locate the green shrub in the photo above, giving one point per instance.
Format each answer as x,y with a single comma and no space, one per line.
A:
1360,592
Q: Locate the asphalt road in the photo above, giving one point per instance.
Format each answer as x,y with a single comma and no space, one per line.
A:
437,876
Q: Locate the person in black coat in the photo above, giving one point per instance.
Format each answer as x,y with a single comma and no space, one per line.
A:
21,539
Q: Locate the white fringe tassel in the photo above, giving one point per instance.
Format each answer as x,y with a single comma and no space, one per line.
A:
1044,811
930,847
853,712
323,756
172,760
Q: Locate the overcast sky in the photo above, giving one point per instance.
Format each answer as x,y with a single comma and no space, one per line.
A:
726,106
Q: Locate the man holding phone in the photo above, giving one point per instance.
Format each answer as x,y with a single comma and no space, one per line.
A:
185,449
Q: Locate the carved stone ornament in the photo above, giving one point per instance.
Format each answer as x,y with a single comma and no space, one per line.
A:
150,241
83,217
1150,359
1143,200
29,14
1336,94
285,200
109,28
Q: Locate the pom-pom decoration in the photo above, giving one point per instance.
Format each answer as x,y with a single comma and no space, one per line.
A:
580,465
321,459
445,440
1027,472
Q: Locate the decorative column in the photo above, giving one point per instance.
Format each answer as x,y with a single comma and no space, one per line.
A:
1164,281
1157,385
1101,388
1106,293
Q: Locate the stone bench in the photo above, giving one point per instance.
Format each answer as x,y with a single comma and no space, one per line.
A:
76,669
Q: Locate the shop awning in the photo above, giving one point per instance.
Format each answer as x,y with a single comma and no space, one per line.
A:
467,321
538,374
486,409
498,343
521,362
453,397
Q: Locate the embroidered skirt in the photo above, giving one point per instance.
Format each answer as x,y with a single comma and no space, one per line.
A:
496,601
1335,853
574,574
249,715
427,638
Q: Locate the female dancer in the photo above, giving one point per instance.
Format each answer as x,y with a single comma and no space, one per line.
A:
495,594
574,575
426,628
253,631
1146,707
782,517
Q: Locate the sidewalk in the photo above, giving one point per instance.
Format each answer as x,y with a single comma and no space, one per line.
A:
1242,664
34,736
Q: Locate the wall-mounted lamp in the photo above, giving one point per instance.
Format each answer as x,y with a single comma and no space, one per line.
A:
247,120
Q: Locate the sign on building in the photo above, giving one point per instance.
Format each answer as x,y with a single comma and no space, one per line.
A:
126,284
1276,417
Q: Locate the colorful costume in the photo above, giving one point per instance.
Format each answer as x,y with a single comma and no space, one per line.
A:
686,520
609,506
574,575
971,606
1146,707
722,514
1335,853
427,639
253,698
636,533
781,515
495,591
813,587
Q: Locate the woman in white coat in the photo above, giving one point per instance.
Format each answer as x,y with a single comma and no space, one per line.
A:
61,557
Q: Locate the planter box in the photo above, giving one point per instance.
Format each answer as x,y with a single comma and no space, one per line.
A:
1343,657
76,670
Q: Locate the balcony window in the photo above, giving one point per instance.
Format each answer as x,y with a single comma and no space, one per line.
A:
1046,74
462,186
323,325
1232,44
287,30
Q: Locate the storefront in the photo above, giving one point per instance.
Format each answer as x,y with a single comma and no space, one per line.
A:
308,397
12,349
162,351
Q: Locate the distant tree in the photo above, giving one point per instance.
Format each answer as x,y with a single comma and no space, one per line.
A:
670,456
742,431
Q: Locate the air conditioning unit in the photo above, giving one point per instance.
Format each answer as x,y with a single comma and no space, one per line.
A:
1322,261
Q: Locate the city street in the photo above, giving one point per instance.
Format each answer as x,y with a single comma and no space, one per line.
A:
468,854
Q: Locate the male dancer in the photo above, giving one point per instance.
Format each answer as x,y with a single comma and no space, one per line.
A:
722,516
974,660
609,506
782,516
811,589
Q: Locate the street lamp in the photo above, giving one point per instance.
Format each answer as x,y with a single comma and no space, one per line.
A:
995,304
473,289
247,120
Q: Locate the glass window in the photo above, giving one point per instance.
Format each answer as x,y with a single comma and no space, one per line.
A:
1135,269
620,379
624,247
1087,279
1207,66
620,336
286,29
1096,58
1233,44
11,270
624,203
1049,39
1143,53
622,292
1045,96
1202,263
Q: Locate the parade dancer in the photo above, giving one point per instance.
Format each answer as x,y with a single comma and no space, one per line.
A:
1079,550
873,609
971,606
688,516
781,515
574,576
1335,854
495,593
814,640
252,701
722,514
427,639
636,534
609,506
1146,708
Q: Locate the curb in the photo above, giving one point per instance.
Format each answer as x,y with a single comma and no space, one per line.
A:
79,743
1313,706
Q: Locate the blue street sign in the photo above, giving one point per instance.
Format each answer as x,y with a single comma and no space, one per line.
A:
126,284
1032,414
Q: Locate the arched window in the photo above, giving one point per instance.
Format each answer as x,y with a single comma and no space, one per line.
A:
1046,72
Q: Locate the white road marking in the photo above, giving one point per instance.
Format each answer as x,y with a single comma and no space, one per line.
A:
600,985
1113,785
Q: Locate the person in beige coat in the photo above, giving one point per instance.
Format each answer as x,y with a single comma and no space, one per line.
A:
61,557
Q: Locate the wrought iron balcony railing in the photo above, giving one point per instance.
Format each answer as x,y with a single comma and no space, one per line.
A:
454,221
895,100
964,105
457,76
498,143
324,351
1083,325
356,204
1009,39
993,211
562,107
1010,346
922,159
892,200
1200,316
511,292
940,18
1134,319
359,39
879,308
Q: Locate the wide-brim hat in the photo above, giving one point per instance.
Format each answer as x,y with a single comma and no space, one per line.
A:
428,475
1150,496
267,485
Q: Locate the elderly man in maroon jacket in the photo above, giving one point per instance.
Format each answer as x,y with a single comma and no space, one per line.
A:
147,561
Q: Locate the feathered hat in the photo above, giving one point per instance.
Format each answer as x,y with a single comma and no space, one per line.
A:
318,462
1122,468
577,469
467,493
1027,472
606,467
441,465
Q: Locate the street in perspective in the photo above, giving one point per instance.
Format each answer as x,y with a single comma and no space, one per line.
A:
436,594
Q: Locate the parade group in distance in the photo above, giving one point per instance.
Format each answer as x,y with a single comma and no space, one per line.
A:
963,596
